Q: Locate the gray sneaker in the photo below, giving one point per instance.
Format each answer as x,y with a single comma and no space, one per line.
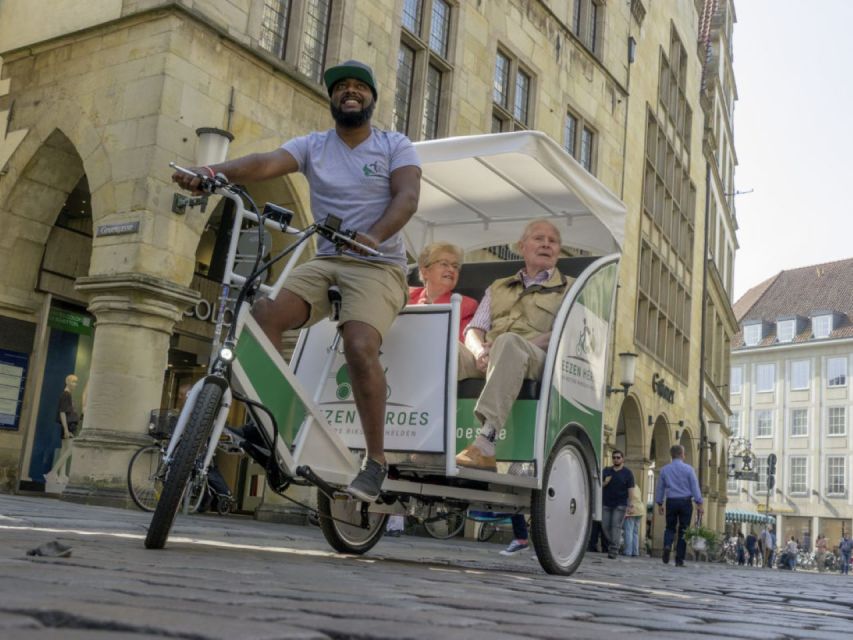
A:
367,485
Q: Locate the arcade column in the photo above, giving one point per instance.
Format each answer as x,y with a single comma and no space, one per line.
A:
135,314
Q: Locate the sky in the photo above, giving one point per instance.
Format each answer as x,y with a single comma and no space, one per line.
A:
793,132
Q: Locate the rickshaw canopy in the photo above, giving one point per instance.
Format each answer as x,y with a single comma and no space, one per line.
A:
480,191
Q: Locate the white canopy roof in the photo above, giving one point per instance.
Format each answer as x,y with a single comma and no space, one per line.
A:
479,191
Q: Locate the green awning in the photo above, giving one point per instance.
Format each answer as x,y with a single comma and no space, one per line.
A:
740,515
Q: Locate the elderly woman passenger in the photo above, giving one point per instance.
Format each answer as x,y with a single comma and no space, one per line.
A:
438,268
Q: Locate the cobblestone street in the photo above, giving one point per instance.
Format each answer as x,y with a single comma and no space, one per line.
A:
232,577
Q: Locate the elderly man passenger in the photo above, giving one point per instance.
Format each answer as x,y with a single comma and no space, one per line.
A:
438,267
509,334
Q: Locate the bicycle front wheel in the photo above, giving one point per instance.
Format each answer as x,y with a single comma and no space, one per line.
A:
448,526
183,464
145,477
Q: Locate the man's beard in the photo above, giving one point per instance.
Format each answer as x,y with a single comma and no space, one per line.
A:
352,119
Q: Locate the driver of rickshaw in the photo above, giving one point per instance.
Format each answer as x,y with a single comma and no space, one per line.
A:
506,341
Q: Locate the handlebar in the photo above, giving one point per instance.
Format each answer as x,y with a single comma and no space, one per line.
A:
330,228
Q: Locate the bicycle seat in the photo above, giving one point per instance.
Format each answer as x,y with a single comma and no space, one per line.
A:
335,300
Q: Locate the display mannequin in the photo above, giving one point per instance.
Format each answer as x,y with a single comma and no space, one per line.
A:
68,420
66,414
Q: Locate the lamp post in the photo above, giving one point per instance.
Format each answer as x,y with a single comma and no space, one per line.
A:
211,149
212,145
628,366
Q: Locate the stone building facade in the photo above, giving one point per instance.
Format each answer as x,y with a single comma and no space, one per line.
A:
96,103
790,396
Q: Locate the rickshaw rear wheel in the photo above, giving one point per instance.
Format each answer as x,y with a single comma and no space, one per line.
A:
561,512
348,538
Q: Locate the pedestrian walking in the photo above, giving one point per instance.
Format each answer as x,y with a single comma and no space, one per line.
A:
767,542
820,552
679,486
616,480
631,524
845,548
751,547
791,550
740,549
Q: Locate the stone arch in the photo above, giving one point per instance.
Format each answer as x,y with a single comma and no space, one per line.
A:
686,440
630,436
658,456
43,178
631,439
69,120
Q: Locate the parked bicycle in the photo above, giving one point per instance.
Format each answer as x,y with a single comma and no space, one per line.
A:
146,473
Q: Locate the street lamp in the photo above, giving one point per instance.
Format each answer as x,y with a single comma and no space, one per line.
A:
212,145
211,149
628,366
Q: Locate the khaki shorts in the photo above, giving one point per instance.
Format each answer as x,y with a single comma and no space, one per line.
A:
372,292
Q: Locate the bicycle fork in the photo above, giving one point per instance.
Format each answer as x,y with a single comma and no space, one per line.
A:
216,431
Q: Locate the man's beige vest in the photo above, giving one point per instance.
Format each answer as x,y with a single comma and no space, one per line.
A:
527,312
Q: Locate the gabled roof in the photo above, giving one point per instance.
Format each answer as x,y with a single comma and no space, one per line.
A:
827,286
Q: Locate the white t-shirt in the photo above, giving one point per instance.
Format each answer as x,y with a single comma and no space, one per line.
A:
353,184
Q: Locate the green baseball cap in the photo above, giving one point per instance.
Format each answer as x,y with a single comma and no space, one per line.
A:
350,69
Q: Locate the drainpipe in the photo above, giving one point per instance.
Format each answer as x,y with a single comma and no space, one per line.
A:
703,430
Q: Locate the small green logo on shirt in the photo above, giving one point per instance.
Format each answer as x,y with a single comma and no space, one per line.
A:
371,169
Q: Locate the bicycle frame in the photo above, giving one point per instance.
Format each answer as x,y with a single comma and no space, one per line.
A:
326,454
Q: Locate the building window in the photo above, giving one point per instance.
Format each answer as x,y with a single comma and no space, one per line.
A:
588,22
579,140
785,330
836,421
836,372
274,26
797,475
799,375
298,32
752,334
423,69
736,380
761,469
512,95
764,423
522,97
822,326
765,377
799,422
315,37
672,88
732,488
412,12
405,81
664,296
734,424
836,475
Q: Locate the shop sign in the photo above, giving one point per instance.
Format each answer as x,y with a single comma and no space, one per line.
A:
660,387
117,229
13,374
206,312
70,321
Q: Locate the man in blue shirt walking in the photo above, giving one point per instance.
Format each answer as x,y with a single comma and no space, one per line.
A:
678,483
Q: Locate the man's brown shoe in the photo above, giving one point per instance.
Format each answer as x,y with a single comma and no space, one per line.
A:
472,457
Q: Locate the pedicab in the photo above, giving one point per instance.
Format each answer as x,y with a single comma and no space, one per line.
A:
477,192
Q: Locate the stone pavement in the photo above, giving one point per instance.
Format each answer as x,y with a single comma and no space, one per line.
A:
233,578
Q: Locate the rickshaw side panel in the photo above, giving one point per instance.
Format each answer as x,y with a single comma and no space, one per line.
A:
513,442
578,380
256,368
